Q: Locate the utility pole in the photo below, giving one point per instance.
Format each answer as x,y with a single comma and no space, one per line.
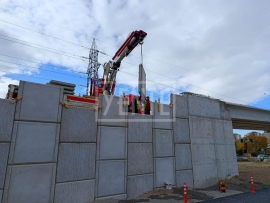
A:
93,65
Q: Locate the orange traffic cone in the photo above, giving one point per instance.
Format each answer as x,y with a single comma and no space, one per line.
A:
252,185
185,193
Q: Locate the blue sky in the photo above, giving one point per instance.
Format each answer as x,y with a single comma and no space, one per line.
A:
215,48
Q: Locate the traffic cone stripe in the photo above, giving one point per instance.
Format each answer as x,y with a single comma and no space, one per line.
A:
185,193
252,185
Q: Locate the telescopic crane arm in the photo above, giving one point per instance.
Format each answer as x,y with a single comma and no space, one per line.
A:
111,67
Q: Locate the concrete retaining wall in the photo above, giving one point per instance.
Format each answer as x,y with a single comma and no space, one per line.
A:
53,154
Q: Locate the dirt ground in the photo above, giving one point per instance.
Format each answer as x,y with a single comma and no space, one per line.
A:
259,170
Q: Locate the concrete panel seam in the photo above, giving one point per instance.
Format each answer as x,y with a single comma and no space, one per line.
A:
19,103
141,174
35,121
53,182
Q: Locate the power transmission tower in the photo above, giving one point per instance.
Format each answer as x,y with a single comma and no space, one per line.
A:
93,65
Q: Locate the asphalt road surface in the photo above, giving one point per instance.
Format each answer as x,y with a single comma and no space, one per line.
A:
261,196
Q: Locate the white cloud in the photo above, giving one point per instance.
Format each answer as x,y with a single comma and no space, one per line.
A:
224,44
4,82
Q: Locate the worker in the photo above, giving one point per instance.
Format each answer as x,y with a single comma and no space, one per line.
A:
147,106
107,90
140,106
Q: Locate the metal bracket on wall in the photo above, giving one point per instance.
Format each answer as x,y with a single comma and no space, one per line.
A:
172,103
18,98
124,99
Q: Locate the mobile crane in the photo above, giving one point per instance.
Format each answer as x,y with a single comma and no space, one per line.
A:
111,68
108,82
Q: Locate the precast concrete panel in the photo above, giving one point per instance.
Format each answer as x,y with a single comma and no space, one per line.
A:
218,131
140,128
201,127
112,143
181,131
222,170
79,192
113,111
205,175
39,102
111,178
30,184
163,143
231,153
6,119
76,161
205,107
140,158
164,171
122,196
184,176
140,184
183,157
228,132
180,107
232,169
34,142
78,125
221,153
4,149
203,151
162,118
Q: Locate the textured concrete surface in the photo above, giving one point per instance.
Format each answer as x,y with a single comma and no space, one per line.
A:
221,154
111,178
183,157
222,169
180,107
34,142
76,162
163,118
35,106
6,119
71,192
205,175
218,131
201,127
200,106
140,158
203,151
140,128
184,176
4,149
112,143
30,184
228,132
140,184
181,131
78,125
111,199
113,112
164,171
163,143
231,155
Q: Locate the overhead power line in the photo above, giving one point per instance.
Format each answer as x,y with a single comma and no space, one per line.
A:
40,63
44,34
45,49
42,69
